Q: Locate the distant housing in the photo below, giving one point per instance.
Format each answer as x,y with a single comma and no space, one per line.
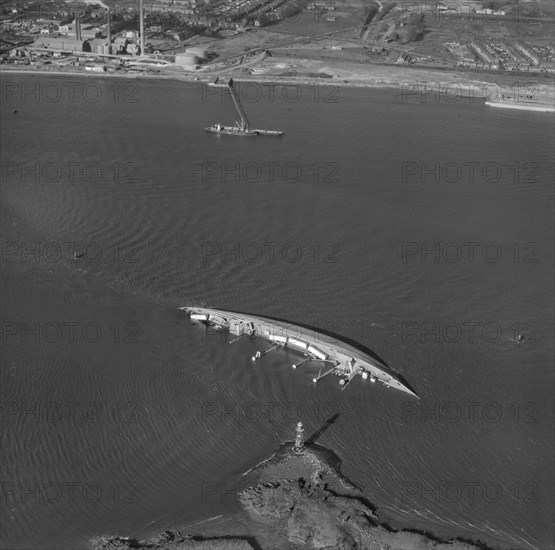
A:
95,68
405,57
488,11
486,57
527,53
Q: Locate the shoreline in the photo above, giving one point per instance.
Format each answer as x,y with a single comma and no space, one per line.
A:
295,499
523,106
447,86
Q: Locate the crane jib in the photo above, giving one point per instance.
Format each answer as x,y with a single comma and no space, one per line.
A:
238,108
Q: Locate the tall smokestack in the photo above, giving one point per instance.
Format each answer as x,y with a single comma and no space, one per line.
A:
109,33
77,23
142,26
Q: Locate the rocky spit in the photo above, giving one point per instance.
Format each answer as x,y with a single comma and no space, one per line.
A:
297,502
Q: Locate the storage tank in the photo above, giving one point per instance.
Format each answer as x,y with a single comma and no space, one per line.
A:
199,52
186,59
106,49
100,48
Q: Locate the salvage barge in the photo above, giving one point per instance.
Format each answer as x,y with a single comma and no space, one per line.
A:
241,127
338,356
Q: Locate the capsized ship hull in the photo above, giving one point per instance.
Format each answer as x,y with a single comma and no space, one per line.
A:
338,356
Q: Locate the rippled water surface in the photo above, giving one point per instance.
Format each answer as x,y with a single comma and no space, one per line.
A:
120,417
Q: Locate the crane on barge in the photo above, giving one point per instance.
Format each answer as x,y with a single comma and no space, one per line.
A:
241,128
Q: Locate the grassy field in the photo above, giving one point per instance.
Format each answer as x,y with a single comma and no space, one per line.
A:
312,23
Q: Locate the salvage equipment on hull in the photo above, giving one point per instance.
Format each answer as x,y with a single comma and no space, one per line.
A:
342,358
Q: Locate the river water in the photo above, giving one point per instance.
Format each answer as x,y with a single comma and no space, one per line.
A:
421,229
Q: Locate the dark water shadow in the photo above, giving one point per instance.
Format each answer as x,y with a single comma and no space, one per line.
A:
312,438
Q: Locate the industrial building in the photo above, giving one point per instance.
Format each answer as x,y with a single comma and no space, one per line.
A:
99,45
65,43
77,42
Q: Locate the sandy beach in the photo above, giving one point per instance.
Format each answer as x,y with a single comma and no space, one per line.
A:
416,83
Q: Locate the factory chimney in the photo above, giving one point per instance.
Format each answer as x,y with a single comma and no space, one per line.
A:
109,33
142,26
77,23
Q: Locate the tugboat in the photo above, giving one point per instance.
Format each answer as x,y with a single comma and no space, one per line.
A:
241,128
